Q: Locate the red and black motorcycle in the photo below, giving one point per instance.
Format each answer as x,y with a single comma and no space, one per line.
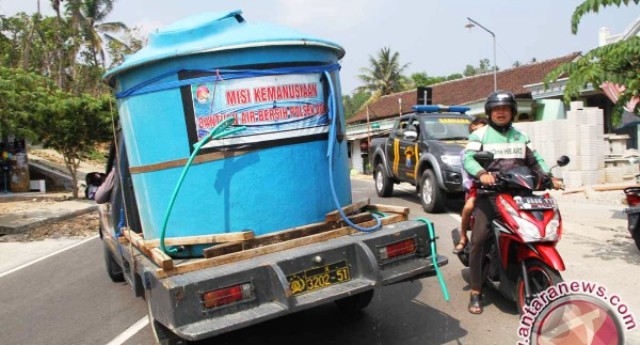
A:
521,259
633,213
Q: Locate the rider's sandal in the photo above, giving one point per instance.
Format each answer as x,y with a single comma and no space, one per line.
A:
475,303
460,247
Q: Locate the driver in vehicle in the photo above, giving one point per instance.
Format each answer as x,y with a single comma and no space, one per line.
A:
511,148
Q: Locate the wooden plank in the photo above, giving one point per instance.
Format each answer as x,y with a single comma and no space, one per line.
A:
136,240
248,254
204,239
281,236
334,216
390,209
161,259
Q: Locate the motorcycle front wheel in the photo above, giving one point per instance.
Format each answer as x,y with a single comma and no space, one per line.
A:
540,276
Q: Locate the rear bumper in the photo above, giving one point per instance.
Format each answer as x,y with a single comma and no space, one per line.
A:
176,301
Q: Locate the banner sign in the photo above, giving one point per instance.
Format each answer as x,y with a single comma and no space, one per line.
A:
270,107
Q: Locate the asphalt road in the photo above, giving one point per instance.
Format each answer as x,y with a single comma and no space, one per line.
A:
68,299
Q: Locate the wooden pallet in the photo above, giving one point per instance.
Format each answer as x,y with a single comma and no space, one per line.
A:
243,245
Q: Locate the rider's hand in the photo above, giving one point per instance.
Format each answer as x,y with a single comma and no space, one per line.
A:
557,184
487,179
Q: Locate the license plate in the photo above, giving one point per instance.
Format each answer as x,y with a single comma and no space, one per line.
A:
534,203
319,277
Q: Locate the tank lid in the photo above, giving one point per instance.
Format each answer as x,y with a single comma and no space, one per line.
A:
208,32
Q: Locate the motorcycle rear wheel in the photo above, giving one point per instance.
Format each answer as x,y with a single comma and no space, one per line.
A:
541,277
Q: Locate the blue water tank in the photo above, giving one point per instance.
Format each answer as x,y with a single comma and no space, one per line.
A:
276,82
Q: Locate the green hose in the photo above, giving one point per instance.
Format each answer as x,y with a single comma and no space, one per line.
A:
434,257
218,132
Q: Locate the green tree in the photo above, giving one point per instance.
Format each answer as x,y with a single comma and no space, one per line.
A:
483,67
469,71
22,94
618,63
423,79
353,104
87,16
384,74
73,125
454,76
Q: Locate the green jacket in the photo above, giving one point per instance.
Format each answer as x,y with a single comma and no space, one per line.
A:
510,149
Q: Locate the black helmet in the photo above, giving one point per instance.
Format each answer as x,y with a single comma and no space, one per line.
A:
501,98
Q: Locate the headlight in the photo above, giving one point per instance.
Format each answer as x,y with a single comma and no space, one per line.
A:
451,160
551,231
526,229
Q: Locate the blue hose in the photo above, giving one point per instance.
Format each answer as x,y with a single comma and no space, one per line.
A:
217,132
333,136
434,257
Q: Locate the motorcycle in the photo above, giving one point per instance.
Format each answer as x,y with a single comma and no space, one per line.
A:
633,213
520,258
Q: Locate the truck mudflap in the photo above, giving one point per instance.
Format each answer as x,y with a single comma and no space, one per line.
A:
207,302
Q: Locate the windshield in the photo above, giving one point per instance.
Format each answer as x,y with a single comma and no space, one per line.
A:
454,128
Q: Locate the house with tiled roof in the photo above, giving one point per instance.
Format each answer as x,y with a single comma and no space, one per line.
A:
378,118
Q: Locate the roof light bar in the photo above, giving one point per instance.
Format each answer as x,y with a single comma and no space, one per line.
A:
440,108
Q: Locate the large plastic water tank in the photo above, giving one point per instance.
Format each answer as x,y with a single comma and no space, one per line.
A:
271,176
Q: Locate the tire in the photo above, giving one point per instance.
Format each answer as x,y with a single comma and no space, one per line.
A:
636,237
114,270
161,334
384,185
431,196
354,304
541,277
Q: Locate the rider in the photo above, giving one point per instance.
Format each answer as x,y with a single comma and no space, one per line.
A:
511,148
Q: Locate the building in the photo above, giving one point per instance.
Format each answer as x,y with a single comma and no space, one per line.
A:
379,117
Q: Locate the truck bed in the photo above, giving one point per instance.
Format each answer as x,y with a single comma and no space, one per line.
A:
273,268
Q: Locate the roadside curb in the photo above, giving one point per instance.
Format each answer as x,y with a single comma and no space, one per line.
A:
20,223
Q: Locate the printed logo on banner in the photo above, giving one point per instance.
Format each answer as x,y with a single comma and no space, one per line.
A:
270,107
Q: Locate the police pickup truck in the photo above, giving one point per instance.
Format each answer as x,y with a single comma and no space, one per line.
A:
423,149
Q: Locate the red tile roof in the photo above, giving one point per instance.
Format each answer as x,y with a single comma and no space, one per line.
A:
466,90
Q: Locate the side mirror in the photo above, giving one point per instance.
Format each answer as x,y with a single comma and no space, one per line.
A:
563,160
483,157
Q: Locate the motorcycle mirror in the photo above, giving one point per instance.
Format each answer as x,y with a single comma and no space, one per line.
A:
483,157
563,160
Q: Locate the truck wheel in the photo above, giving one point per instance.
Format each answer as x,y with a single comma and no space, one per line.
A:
161,334
431,196
113,268
354,304
636,237
384,185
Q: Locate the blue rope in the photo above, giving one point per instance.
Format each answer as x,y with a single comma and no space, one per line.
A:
150,85
332,138
219,131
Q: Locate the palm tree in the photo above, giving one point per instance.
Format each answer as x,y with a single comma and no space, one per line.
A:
384,75
87,17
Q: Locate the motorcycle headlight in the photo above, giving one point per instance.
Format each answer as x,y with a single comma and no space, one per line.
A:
551,231
526,229
451,160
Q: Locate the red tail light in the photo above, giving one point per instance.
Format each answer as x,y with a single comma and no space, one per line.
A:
396,249
217,298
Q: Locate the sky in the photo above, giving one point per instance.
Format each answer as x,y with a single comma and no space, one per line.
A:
429,35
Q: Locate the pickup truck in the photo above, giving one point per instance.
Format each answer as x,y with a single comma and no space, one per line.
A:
423,149
247,282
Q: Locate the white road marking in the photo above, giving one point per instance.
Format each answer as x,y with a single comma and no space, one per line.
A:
47,256
130,332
